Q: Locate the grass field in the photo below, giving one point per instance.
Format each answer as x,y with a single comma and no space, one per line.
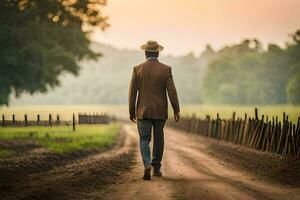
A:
225,111
62,139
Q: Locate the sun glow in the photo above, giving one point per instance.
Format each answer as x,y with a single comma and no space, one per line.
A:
187,25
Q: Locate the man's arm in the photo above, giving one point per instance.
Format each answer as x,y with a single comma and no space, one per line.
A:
172,93
132,96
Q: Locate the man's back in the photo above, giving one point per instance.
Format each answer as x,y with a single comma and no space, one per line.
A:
152,80
150,83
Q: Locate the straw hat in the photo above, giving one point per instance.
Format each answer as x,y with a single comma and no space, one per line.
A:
152,46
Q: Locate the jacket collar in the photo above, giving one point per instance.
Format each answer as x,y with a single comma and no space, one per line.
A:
152,58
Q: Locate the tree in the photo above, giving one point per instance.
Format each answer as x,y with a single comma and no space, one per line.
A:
245,73
293,90
41,39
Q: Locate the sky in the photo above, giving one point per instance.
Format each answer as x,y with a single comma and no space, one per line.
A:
184,26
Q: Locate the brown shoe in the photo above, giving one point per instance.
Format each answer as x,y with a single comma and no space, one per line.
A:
147,173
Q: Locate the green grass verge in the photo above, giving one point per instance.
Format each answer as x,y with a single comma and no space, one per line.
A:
4,153
62,139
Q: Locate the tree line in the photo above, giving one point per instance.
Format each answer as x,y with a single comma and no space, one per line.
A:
246,73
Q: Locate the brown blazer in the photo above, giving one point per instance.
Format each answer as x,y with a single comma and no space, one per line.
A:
150,83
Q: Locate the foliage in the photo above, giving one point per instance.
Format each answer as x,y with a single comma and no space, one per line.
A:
62,139
41,39
293,90
247,74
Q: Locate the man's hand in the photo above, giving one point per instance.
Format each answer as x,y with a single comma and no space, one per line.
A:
177,116
132,118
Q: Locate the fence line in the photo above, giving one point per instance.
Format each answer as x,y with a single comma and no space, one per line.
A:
84,118
265,134
38,122
51,121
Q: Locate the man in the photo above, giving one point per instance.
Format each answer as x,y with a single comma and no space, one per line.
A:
148,105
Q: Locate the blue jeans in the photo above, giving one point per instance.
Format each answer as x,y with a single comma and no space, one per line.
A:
144,128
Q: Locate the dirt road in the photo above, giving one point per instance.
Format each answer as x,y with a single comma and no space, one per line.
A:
191,172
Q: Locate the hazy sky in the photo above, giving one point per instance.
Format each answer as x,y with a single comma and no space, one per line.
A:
188,25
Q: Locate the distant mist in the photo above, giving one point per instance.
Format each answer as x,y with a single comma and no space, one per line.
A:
106,80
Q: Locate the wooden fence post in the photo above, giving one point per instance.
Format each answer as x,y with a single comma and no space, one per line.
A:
231,132
25,118
255,133
73,122
3,120
273,135
280,137
13,120
298,132
285,150
251,128
50,120
260,134
207,125
57,120
211,134
266,138
227,131
235,134
233,115
242,138
254,124
256,114
294,140
240,131
216,134
38,119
